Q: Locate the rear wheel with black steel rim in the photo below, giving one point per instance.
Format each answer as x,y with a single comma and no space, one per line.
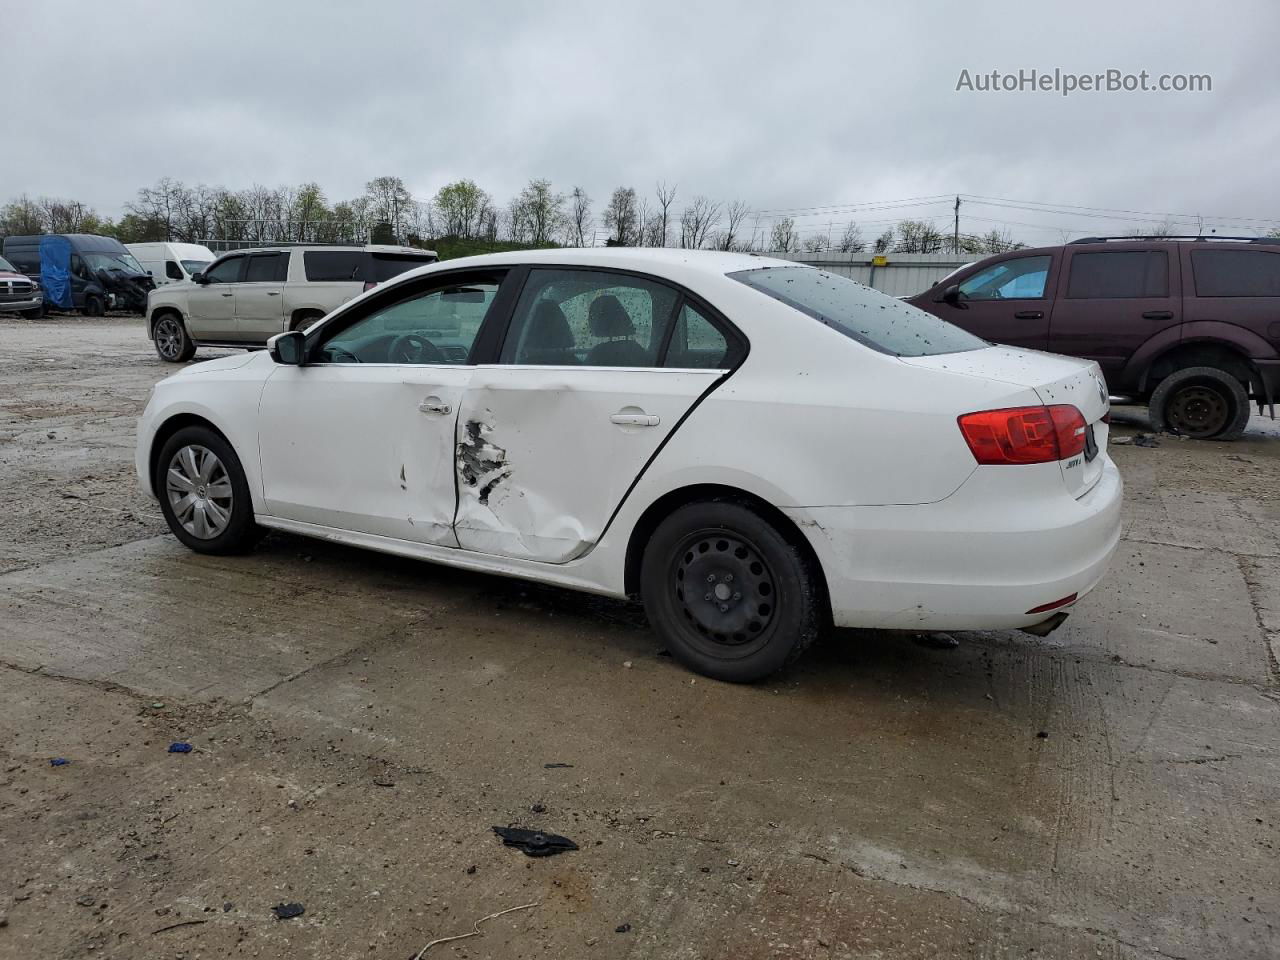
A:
730,595
94,306
203,493
171,340
1205,403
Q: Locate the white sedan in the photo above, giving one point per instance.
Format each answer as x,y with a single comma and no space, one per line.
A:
757,449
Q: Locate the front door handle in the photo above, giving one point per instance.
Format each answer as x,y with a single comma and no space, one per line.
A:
1029,315
434,404
273,293
635,419
228,294
1158,315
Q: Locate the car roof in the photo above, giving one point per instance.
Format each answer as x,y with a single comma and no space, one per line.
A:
628,258
334,248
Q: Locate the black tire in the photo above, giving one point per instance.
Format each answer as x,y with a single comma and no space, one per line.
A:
94,306
765,597
1204,403
240,532
35,314
170,338
304,320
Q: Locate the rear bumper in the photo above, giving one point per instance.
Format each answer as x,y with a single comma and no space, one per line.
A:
978,560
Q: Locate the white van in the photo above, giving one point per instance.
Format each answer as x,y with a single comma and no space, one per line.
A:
171,262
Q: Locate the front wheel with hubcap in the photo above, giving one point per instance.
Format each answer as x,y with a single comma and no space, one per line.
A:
732,598
171,340
203,493
1204,403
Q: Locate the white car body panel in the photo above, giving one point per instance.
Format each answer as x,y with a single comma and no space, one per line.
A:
860,449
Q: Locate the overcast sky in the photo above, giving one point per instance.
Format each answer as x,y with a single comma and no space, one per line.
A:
785,105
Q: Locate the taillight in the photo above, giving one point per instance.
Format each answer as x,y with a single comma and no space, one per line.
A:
369,285
1024,434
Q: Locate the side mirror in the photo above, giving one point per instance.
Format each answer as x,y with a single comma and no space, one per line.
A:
288,348
199,278
951,295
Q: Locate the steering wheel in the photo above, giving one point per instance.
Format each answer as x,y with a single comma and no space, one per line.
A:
413,348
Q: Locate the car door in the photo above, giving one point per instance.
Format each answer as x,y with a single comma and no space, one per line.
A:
1008,301
361,438
259,297
553,435
212,306
1112,300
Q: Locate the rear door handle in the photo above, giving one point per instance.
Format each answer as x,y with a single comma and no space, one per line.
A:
1158,315
1029,315
635,419
273,293
228,294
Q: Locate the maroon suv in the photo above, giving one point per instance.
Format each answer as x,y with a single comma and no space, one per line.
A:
1190,326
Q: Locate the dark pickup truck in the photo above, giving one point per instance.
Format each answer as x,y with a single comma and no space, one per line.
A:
1190,326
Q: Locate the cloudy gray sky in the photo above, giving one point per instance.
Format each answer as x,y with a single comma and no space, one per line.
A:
788,106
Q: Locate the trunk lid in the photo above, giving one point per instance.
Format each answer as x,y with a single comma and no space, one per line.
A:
1055,379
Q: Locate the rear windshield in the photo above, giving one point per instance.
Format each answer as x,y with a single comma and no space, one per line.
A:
360,265
860,313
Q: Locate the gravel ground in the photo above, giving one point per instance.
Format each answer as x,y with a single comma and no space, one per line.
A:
360,722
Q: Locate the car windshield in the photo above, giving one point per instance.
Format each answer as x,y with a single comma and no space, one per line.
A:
6,265
113,261
195,266
860,313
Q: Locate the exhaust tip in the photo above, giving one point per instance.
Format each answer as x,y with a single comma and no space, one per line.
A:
1046,627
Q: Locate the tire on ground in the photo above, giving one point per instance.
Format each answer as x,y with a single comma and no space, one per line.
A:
94,306
305,319
1210,381
241,532
769,604
170,338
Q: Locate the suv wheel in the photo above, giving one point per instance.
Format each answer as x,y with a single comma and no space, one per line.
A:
730,596
170,338
203,493
94,306
1204,403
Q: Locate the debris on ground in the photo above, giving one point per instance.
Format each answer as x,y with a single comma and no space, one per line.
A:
85,901
179,748
622,928
534,843
626,664
1042,735
1141,440
287,911
59,762
181,923
475,927
556,766
936,641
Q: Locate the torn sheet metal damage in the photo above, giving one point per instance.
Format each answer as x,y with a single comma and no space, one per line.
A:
481,463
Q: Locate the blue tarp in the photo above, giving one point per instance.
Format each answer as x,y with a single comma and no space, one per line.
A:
55,271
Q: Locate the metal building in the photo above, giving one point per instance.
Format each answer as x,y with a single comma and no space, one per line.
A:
897,274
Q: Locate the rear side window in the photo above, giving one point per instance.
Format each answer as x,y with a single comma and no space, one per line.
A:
696,343
1119,275
1236,273
359,265
267,268
860,313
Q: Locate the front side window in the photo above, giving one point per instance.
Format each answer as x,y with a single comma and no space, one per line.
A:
592,318
194,266
1236,273
267,268
172,270
438,326
1020,279
1119,275
860,313
225,271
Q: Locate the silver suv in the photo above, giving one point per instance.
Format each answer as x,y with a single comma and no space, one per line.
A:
247,296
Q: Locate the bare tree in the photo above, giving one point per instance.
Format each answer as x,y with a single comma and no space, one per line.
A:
666,196
815,243
541,212
884,242
21,217
620,217
729,237
697,221
580,219
851,240
918,236
465,210
783,237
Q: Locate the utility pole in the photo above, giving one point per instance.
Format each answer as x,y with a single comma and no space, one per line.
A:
955,236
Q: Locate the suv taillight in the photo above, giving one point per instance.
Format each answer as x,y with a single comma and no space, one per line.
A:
369,285
1024,434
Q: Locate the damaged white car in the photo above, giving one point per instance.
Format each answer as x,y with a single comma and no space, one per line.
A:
758,450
